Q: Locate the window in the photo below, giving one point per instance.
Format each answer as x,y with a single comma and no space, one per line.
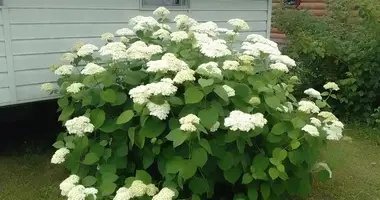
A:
167,3
292,3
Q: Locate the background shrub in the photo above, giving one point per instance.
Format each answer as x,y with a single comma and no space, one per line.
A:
343,45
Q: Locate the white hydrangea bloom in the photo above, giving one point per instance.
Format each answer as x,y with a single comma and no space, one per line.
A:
79,126
328,116
123,194
87,49
117,50
107,36
68,184
74,88
222,30
239,24
279,67
161,34
77,46
202,39
283,108
77,193
215,127
164,194
316,122
91,191
125,32
160,111
231,65
246,59
308,107
231,33
257,48
209,28
238,120
256,38
142,23
190,118
92,68
124,39
64,70
209,69
47,87
215,49
137,189
334,130
165,26
59,156
289,105
331,86
230,91
178,36
151,190
283,59
184,75
139,51
313,93
142,93
161,11
69,57
168,62
184,22
312,130
188,127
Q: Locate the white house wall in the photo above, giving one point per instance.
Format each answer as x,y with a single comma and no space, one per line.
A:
34,33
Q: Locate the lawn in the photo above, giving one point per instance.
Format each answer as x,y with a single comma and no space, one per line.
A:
355,165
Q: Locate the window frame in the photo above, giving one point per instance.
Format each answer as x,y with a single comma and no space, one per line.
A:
153,7
296,4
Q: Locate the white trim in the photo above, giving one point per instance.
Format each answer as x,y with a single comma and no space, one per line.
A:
174,8
269,18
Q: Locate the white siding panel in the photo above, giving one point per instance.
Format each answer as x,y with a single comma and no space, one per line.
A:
3,63
227,15
75,3
31,93
1,32
34,77
41,61
1,16
229,5
5,95
2,48
4,82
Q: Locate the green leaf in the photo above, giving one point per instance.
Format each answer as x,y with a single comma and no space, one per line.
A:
187,170
273,173
204,143
91,158
70,145
208,117
281,168
195,197
242,90
107,188
294,134
63,102
227,161
109,126
199,156
159,100
205,82
198,185
274,161
323,175
66,113
97,117
193,95
175,101
260,162
107,168
320,103
59,144
280,128
298,122
272,101
125,117
265,190
177,136
109,177
247,178
325,93
122,150
143,176
173,166
131,136
252,193
295,144
233,174
295,157
108,95
280,154
148,160
152,128
98,149
120,98
88,181
221,92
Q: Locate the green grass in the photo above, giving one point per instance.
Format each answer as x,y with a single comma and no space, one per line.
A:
355,165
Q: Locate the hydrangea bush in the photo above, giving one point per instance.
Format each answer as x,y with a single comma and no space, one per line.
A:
186,112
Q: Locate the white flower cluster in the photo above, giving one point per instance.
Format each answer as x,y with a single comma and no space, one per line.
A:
209,69
107,36
117,50
312,130
178,36
73,191
64,70
125,32
187,123
69,57
231,65
316,122
184,75
142,23
246,59
160,111
162,34
328,116
239,24
334,129
331,86
92,69
238,120
161,11
168,62
59,155
183,22
209,28
215,127
308,107
257,48
137,189
256,38
139,51
215,49
201,39
142,93
280,67
230,91
79,126
86,50
47,87
74,88
283,59
313,93
288,107
164,194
